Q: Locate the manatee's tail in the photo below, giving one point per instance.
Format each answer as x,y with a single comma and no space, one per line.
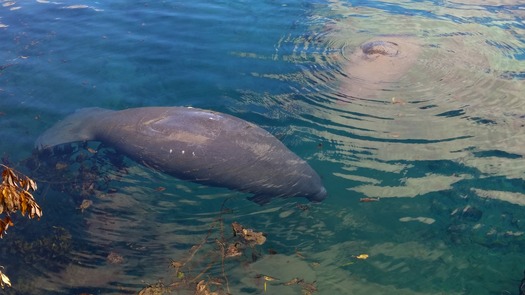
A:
75,127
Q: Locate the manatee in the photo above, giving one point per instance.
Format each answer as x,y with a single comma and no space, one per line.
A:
196,145
376,63
380,47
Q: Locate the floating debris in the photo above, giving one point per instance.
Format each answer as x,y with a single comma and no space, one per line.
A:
4,280
86,203
366,200
155,289
203,288
266,279
248,235
233,250
15,194
307,288
114,258
362,256
293,281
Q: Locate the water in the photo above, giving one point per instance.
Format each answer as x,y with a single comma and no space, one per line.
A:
439,142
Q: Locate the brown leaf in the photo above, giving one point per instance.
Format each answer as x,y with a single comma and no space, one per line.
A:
86,203
233,250
176,264
31,184
4,225
237,228
15,195
248,235
252,237
23,204
202,288
293,281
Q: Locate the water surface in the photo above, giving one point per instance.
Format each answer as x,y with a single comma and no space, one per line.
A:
438,142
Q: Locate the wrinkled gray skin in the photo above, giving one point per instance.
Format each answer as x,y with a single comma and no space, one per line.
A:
386,48
196,145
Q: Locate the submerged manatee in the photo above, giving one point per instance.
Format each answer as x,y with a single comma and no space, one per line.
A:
376,63
380,47
195,145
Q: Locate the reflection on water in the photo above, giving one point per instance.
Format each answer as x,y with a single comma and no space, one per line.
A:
452,101
435,132
445,127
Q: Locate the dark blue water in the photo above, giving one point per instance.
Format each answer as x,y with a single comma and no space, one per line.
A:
437,138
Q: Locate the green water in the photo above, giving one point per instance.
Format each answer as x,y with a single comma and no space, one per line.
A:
440,146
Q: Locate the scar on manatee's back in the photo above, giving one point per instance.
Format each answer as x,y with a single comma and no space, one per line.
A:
188,137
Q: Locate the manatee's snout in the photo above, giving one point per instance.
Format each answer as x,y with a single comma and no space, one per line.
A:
385,48
320,196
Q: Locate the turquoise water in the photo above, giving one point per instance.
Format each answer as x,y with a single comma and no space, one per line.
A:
438,142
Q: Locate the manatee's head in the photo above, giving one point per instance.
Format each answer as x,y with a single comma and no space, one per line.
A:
319,196
378,47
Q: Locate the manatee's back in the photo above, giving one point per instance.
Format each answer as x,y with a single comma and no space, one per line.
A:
223,150
210,148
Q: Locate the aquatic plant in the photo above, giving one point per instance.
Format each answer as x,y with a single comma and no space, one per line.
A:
15,195
207,267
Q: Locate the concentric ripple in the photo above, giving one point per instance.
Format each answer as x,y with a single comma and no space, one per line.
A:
390,89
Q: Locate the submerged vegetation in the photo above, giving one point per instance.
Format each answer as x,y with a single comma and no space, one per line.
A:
211,263
195,275
15,195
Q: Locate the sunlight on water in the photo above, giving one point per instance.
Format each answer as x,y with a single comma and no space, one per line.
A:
411,112
456,90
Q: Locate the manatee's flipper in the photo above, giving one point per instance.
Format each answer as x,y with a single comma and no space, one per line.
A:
75,127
